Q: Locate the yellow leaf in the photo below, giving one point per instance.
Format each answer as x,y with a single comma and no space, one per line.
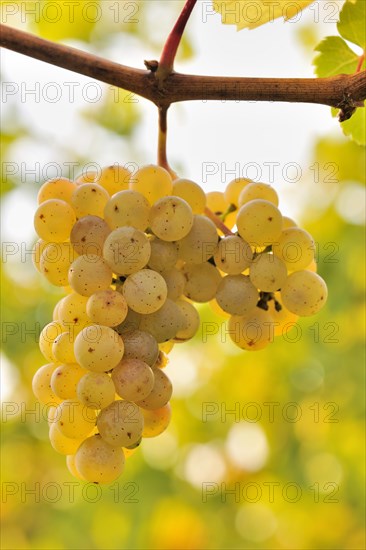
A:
253,13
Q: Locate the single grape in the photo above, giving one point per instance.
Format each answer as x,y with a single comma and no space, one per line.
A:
120,424
98,348
96,390
175,283
38,248
71,466
252,332
202,281
233,190
201,242
130,324
156,421
55,262
234,255
259,223
237,295
127,208
89,274
74,420
47,337
62,444
145,291
89,199
114,178
72,313
41,384
191,321
255,191
154,182
53,220
304,293
89,234
107,307
288,222
164,255
64,380
56,188
98,462
171,218
87,176
133,379
192,193
126,250
140,345
295,247
268,273
63,347
217,203
164,324
160,394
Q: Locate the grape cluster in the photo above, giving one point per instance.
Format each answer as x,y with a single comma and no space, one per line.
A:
134,251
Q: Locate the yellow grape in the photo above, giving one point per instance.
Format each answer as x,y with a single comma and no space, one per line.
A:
154,182
98,348
74,420
63,347
175,283
288,222
89,234
55,262
98,462
202,281
268,273
47,337
156,421
201,242
41,384
64,380
127,208
133,379
72,313
258,191
160,394
96,390
140,345
114,178
89,274
192,193
295,247
89,199
120,424
62,444
107,307
126,250
252,332
56,188
191,321
233,255
53,220
86,177
233,190
71,466
164,255
164,324
304,293
145,291
259,222
171,218
38,248
237,295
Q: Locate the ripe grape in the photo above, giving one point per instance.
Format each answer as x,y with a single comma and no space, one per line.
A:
217,203
255,191
89,234
237,295
175,283
133,379
74,420
89,199
259,223
38,248
64,380
88,274
201,242
268,273
62,444
53,220
55,262
252,332
114,178
98,462
202,281
140,345
107,307
192,193
96,390
288,222
56,188
160,394
234,255
63,347
47,337
70,464
72,312
120,424
164,255
304,293
127,208
171,218
233,190
98,348
154,182
191,321
126,250
156,421
295,247
164,324
41,384
145,291
131,323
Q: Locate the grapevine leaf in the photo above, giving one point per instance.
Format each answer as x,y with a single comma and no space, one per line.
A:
351,24
355,127
335,57
246,14
63,20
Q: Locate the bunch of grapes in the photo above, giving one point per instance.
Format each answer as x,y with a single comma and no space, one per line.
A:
134,252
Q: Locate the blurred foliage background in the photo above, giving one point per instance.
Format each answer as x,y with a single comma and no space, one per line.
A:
265,450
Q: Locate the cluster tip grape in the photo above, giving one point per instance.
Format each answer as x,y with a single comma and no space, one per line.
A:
134,252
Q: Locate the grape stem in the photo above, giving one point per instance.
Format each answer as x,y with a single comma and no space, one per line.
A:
360,62
219,223
162,139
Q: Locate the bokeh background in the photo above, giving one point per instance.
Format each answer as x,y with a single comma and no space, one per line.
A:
266,449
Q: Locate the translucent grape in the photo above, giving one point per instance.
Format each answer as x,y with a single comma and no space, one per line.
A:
120,424
171,218
56,188
53,220
63,347
295,247
202,281
259,222
233,190
216,202
154,182
255,191
61,444
133,379
87,176
304,293
38,248
268,273
127,208
192,193
114,178
167,347
164,255
89,234
98,348
201,242
191,321
126,250
288,222
131,323
164,323
89,274
237,295
72,312
98,462
74,420
145,291
47,337
156,421
96,390
107,307
89,199
55,262
41,384
64,380
283,320
71,466
140,345
252,332
160,394
175,282
161,361
234,255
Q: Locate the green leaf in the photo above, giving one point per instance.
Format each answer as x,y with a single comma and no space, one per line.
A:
352,22
63,20
349,158
335,57
355,127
